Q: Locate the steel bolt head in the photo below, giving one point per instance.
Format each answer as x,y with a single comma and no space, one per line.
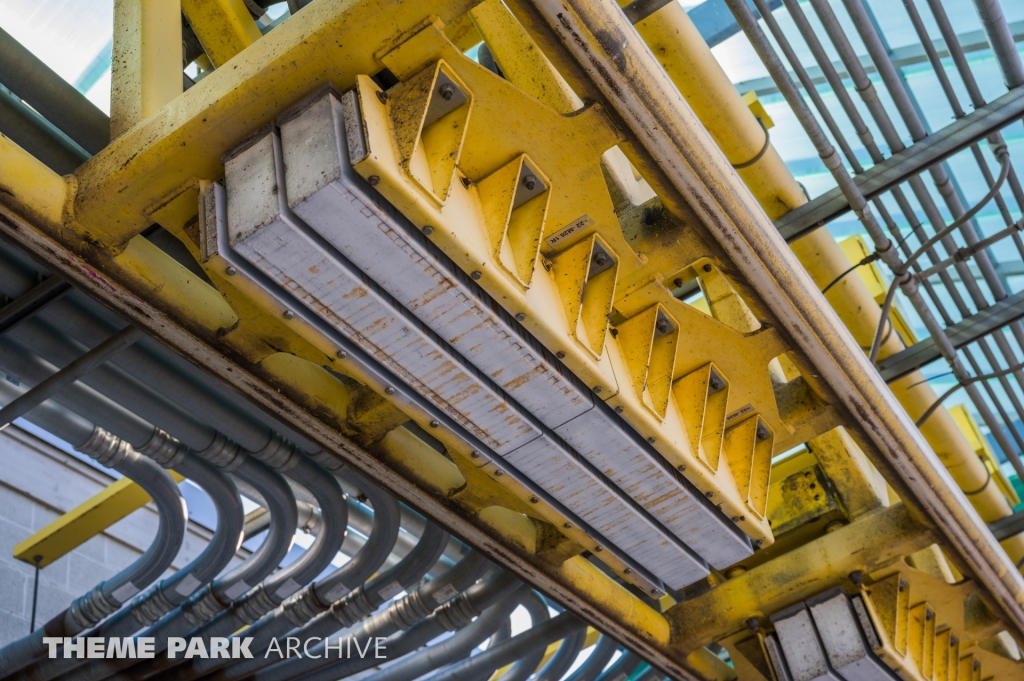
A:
530,182
619,410
709,494
475,276
474,455
628,571
662,326
651,440
499,473
568,526
428,230
534,500
681,468
434,424
231,271
520,317
447,92
389,390
599,548
560,354
374,180
342,354
707,268
597,389
288,314
601,259
382,96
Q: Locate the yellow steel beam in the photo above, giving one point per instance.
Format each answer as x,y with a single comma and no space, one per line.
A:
689,63
870,544
90,518
224,27
145,72
668,141
118,187
184,312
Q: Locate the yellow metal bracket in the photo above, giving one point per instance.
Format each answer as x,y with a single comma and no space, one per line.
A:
90,518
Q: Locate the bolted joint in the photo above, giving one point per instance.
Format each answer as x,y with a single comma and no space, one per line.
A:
456,613
87,610
164,449
408,611
224,453
352,608
254,605
302,607
106,448
150,606
201,606
279,454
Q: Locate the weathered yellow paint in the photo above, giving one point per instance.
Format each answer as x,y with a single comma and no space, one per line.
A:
415,458
118,186
90,518
145,72
875,541
35,190
858,483
495,135
967,425
224,27
686,58
160,278
927,626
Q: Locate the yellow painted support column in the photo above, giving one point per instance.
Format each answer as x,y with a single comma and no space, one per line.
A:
93,516
679,47
146,68
224,27
682,52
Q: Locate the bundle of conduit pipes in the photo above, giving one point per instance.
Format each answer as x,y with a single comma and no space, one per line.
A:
442,610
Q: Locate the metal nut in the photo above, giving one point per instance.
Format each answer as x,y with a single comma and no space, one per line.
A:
382,96
389,390
288,314
428,230
520,317
475,276
374,180
530,182
447,92
434,424
231,271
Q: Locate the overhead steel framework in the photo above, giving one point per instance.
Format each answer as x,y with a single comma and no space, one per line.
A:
372,282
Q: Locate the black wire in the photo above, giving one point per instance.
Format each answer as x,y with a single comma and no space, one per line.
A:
865,261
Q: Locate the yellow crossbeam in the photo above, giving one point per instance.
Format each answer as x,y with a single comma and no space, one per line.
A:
224,27
93,516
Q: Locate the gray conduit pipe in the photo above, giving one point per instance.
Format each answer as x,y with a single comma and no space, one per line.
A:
279,454
537,608
603,651
215,597
456,647
147,608
107,596
400,614
272,591
503,633
623,667
451,616
362,601
564,657
316,598
513,649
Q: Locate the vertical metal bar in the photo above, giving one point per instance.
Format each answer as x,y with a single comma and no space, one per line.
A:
35,593
69,374
1001,40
